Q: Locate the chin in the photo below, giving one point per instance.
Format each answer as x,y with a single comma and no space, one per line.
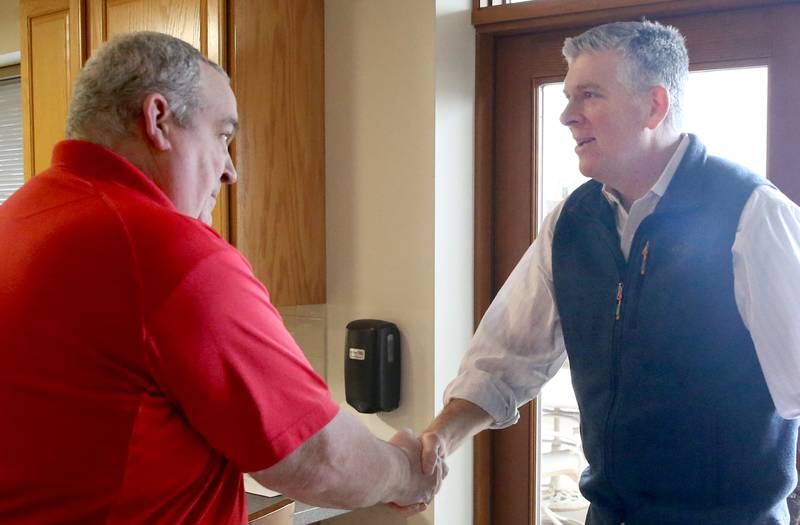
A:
586,169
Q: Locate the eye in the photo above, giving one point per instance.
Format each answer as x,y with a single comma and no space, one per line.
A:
589,94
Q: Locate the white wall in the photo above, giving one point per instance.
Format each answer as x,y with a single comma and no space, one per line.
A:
399,152
454,214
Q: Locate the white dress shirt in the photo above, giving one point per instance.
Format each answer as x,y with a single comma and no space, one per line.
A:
519,344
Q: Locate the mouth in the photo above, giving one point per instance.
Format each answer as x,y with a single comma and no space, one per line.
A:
581,142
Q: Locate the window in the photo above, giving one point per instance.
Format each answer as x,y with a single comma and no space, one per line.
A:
11,177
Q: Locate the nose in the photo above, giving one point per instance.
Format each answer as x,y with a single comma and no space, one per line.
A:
229,175
570,116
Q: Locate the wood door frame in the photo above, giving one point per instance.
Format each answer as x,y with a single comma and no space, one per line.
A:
498,489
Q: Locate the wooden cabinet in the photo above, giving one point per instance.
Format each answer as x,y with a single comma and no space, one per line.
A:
51,59
274,52
277,66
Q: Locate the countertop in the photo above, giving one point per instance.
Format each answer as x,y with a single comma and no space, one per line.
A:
303,514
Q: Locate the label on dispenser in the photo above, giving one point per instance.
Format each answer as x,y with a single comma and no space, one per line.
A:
358,354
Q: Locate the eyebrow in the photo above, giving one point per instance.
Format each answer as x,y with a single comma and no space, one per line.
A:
232,122
582,87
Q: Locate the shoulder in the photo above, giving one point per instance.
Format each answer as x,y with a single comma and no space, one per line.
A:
166,245
584,195
768,205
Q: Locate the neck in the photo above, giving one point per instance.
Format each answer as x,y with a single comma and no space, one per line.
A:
647,169
138,154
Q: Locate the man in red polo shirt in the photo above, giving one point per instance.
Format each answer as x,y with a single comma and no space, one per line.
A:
143,365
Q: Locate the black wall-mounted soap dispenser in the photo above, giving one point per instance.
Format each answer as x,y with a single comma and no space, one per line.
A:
372,365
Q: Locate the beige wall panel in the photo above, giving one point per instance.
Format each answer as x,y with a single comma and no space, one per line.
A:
380,116
9,26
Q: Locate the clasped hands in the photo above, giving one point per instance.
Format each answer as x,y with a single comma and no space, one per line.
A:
426,456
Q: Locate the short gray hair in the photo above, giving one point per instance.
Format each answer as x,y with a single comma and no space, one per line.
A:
109,92
652,54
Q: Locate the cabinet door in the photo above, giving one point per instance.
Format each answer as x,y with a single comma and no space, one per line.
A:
278,75
198,22
51,58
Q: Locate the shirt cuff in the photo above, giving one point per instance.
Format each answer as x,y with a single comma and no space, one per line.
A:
480,388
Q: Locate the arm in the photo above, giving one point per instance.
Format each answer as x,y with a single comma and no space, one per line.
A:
345,466
766,269
459,420
245,386
518,344
517,347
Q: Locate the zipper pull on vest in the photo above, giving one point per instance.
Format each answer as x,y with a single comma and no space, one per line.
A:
619,300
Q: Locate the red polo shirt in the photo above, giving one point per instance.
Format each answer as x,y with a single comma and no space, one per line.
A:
142,366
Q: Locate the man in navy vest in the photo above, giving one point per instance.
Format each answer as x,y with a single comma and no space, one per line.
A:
671,280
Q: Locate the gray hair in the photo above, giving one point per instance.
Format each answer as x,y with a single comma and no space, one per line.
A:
109,92
652,55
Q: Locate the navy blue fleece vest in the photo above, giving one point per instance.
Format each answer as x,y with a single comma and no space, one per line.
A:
677,423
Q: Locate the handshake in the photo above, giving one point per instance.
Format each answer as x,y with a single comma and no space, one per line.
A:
345,466
426,469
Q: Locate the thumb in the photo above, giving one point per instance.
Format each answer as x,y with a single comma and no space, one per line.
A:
432,452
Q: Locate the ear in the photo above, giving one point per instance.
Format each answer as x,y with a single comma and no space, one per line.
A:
658,104
157,121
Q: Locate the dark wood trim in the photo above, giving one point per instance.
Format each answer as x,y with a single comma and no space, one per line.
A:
783,128
272,510
484,269
229,52
545,15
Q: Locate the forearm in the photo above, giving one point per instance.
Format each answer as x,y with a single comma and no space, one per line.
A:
458,421
343,466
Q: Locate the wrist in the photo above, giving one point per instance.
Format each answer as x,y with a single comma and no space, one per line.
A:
459,420
400,480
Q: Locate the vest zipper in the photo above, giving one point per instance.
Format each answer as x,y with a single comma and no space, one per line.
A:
616,334
645,253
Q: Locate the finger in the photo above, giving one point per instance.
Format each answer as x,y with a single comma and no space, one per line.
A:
439,476
409,510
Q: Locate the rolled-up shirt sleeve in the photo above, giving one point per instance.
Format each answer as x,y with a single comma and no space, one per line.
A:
518,345
766,266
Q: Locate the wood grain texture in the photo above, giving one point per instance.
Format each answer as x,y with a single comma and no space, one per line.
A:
278,64
783,112
561,14
180,18
484,228
51,57
202,23
281,513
